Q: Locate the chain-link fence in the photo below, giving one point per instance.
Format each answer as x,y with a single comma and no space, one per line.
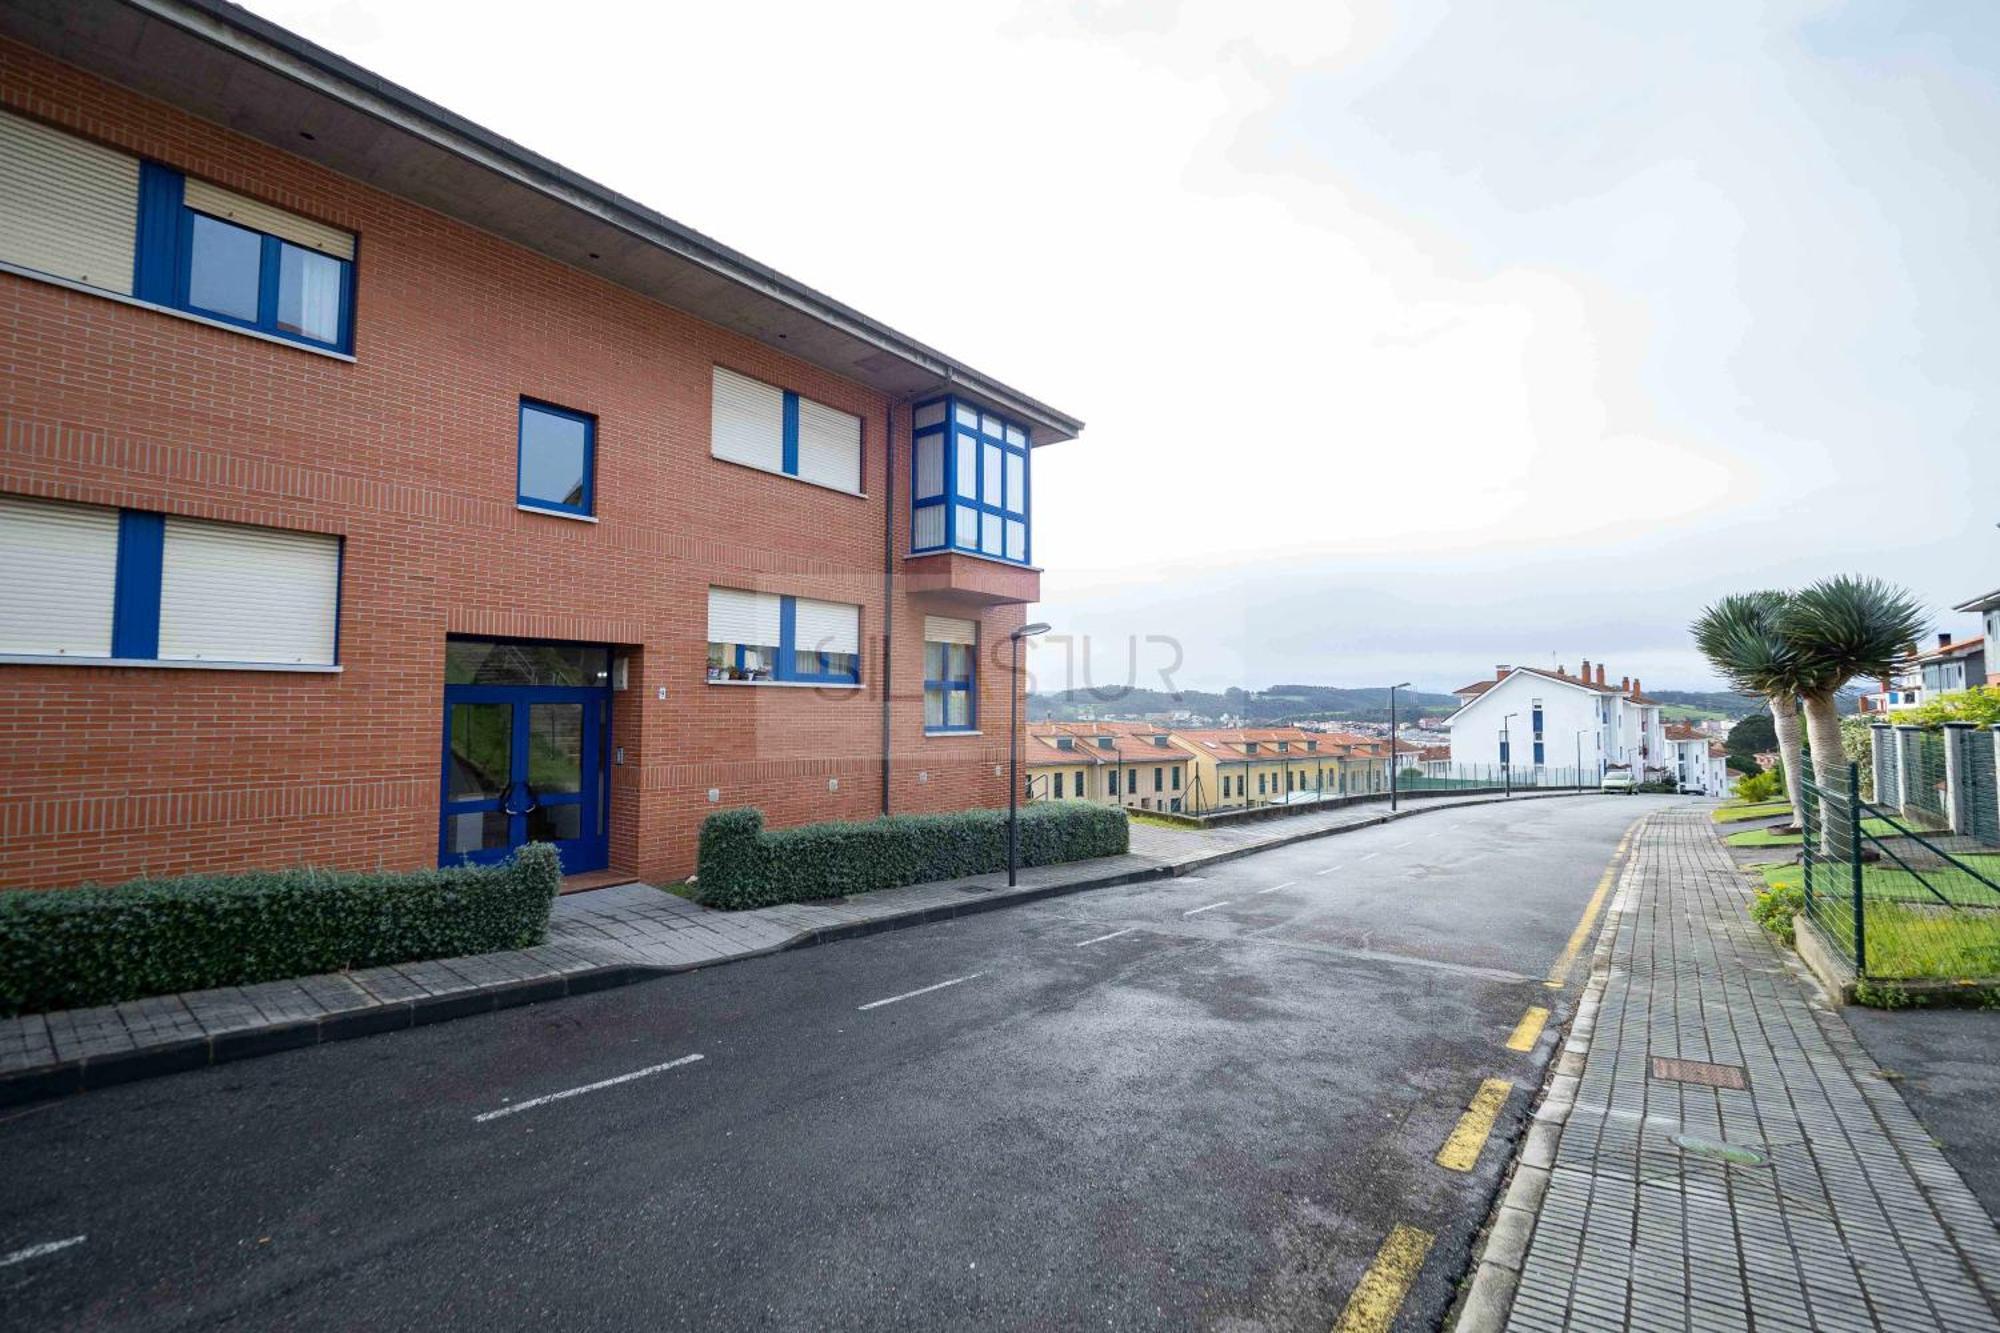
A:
1896,898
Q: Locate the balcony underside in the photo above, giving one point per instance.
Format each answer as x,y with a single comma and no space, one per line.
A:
972,579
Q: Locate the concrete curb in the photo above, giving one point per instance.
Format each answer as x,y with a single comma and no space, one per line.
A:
92,1072
1488,1299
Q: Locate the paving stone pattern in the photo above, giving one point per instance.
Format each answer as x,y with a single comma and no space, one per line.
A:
1856,1221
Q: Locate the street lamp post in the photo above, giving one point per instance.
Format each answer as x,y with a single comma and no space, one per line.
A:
1402,685
1507,754
1014,749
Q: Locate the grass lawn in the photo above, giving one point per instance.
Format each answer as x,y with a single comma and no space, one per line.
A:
1758,837
1911,934
1736,814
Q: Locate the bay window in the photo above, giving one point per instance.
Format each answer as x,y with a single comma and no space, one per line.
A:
970,482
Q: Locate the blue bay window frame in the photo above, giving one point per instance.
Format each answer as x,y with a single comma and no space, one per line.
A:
589,424
1008,500
163,263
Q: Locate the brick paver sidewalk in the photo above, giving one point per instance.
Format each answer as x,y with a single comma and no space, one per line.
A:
1844,1215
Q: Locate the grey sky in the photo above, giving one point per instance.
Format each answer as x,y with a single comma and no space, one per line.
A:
1412,337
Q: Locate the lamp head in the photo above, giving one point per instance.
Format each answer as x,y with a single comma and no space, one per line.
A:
1029,631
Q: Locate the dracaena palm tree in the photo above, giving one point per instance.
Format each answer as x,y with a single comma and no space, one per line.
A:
1739,635
1841,628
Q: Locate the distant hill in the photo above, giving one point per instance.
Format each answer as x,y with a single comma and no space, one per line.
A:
1723,703
1276,705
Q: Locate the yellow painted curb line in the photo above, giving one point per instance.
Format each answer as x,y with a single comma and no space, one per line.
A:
1379,1294
1581,935
1529,1029
1461,1150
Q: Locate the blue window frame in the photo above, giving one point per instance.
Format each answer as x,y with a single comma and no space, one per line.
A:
557,458
786,660
951,703
970,488
1538,753
1503,754
223,270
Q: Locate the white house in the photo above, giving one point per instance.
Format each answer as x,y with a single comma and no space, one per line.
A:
1529,717
1699,762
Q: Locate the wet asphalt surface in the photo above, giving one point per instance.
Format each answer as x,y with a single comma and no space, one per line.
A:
1211,1119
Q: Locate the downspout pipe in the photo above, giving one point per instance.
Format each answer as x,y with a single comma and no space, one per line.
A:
888,585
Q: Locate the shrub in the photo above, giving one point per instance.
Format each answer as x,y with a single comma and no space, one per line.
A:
63,949
743,864
1766,786
1774,908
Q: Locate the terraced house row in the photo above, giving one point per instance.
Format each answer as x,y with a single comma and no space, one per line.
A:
1143,767
378,492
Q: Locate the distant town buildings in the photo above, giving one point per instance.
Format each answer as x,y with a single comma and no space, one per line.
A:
1199,770
1532,718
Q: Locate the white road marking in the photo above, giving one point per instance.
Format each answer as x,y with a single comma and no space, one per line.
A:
912,994
1328,871
533,1102
1112,936
1371,856
37,1251
1210,908
1401,845
1275,887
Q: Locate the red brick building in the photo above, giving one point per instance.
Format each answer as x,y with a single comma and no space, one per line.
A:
376,492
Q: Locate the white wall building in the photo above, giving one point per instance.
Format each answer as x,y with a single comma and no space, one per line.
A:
1699,763
1549,718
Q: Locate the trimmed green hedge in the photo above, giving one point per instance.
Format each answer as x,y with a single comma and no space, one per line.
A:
67,948
743,864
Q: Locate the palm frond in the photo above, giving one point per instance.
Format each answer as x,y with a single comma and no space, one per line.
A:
1849,625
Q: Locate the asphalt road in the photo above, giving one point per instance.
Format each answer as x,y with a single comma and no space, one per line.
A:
1200,1103
1947,1063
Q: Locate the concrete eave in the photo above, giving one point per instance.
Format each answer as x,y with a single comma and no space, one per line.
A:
227,65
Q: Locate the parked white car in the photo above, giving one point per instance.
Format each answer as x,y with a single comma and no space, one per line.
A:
1619,780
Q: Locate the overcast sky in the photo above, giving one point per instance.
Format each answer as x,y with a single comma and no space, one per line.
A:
1412,337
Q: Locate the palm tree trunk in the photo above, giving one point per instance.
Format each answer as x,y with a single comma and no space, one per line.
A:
1830,772
1785,722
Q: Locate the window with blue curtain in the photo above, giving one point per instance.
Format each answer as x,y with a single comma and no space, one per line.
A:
557,458
970,486
227,257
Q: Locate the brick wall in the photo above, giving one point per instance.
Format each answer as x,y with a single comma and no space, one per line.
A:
408,451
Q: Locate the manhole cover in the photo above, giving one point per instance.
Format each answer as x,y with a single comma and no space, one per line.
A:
1715,1150
1696,1071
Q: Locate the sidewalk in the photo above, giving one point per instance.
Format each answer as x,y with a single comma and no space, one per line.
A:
1803,1194
597,940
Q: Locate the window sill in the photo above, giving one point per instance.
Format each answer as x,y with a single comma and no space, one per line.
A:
788,684
774,472
297,668
949,733
527,508
122,299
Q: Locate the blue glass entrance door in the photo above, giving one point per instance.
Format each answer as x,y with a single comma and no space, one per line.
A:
524,763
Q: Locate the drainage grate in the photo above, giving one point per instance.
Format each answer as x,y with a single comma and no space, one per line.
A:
1695,1071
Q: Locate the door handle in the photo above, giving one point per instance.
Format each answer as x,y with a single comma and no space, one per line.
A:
534,800
507,801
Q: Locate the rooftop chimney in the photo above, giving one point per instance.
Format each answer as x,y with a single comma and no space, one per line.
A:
1635,686
1624,684
1600,673
1586,671
1500,672
1944,638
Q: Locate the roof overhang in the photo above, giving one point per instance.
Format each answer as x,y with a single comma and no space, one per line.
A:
227,65
1984,603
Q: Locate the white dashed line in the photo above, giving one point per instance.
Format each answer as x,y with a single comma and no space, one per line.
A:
37,1251
912,994
1112,936
1371,856
1210,908
566,1093
1328,871
1275,887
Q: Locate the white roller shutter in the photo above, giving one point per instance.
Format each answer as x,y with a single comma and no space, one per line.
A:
747,424
68,207
950,629
829,446
232,207
827,627
58,576
231,593
736,616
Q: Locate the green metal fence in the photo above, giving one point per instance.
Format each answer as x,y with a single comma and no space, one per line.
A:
1897,898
